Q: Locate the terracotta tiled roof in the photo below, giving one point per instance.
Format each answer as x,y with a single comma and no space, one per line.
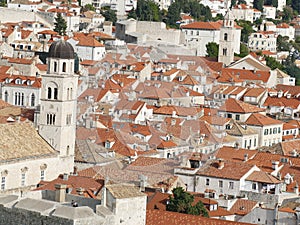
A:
246,75
285,102
20,61
254,92
263,177
237,106
293,90
243,206
146,161
215,120
282,25
235,154
231,170
203,25
88,42
159,217
258,119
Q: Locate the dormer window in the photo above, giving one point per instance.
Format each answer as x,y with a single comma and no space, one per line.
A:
18,81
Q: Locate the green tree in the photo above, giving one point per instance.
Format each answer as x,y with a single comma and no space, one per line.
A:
212,49
219,16
110,15
131,14
88,7
246,31
60,25
148,10
182,201
296,5
272,3
282,43
258,4
173,14
233,3
287,14
272,63
244,51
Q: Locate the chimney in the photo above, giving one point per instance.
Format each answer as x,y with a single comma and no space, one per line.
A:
221,164
296,189
65,176
75,171
236,145
275,165
245,157
143,182
60,192
80,190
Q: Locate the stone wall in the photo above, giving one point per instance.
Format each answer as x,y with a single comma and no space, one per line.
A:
24,217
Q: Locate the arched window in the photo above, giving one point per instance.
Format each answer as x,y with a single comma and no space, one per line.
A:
55,93
6,96
64,67
49,92
55,67
32,100
225,37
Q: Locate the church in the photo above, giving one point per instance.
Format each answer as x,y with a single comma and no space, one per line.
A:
29,156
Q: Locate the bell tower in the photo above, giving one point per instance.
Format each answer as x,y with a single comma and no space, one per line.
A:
226,43
57,119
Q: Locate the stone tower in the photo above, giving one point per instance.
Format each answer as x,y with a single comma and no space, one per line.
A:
57,119
226,44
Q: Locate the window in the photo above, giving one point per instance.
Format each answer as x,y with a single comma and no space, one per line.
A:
220,183
68,150
207,182
225,37
6,96
49,93
23,177
64,67
231,185
42,174
266,132
50,119
229,115
3,179
225,51
237,117
245,144
19,99
68,119
279,130
270,130
254,186
55,67
32,100
274,130
55,93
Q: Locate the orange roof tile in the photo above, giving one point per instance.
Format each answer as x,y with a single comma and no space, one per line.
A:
237,106
243,206
159,217
258,119
231,170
